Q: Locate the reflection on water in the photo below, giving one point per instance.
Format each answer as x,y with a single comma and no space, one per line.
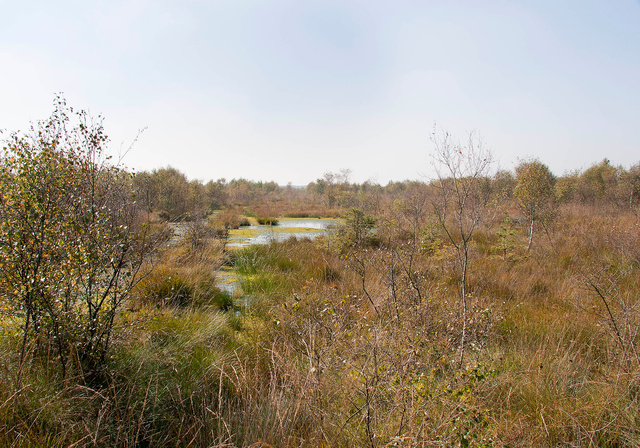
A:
308,223
287,228
227,279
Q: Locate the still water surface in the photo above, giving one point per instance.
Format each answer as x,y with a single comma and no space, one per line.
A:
311,228
287,228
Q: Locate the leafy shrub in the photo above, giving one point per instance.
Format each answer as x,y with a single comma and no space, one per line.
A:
266,221
72,238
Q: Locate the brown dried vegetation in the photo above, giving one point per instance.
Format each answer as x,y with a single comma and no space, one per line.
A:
354,339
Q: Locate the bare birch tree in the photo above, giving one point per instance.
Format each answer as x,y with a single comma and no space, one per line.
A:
463,192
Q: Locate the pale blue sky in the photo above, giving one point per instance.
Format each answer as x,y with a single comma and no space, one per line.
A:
286,90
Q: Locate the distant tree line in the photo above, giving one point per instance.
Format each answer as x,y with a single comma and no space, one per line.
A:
174,197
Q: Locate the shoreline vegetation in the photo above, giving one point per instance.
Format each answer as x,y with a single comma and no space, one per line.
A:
480,308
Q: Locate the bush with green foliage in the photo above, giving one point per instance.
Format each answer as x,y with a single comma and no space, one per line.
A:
71,239
535,194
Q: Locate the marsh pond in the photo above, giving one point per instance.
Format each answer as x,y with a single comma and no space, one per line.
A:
285,229
264,234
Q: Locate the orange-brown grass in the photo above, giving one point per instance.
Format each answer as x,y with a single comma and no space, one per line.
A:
361,347
561,364
544,368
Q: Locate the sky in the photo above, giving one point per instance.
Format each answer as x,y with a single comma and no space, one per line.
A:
288,90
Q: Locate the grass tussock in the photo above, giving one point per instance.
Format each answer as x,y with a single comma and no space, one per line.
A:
350,343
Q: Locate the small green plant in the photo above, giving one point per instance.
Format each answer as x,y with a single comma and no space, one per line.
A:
506,239
357,231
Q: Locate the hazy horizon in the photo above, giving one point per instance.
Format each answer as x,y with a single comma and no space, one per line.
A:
287,91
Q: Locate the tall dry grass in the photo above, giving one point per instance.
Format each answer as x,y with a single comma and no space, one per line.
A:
359,347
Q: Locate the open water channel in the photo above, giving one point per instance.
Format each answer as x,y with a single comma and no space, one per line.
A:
311,228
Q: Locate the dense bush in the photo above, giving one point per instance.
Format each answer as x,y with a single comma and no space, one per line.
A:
71,238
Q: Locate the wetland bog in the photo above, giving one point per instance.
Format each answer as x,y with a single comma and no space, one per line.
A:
287,228
310,228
